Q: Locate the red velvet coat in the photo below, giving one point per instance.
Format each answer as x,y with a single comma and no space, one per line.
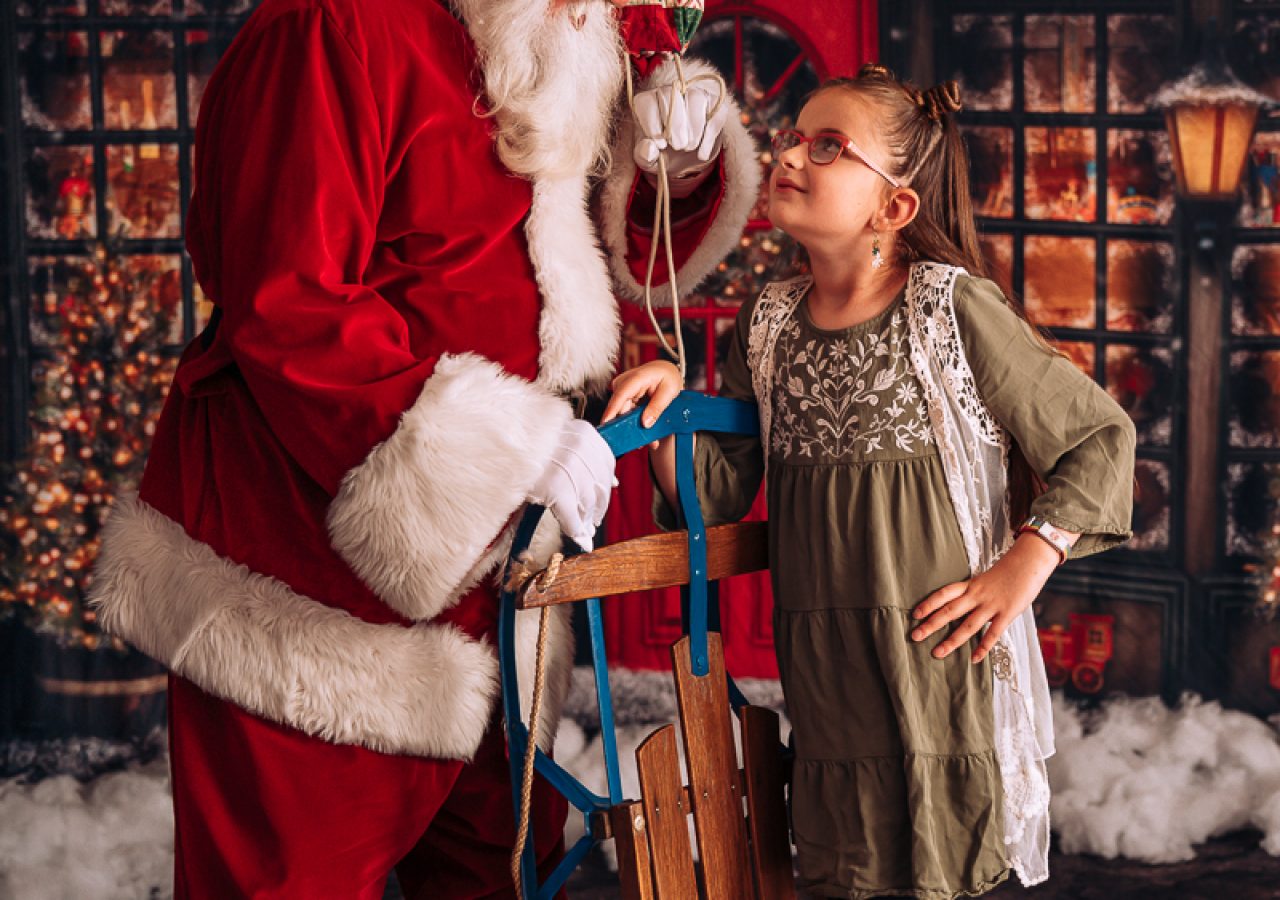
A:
399,317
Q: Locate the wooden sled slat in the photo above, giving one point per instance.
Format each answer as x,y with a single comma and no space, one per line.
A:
766,804
666,814
713,765
649,562
635,870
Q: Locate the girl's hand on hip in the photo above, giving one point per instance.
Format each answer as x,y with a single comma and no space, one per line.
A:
995,598
659,380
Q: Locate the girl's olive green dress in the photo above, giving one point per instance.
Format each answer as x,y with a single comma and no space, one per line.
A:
896,786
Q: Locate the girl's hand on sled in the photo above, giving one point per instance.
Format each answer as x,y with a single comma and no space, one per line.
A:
659,380
995,598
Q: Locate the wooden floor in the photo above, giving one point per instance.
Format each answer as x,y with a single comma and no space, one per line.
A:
1233,867
1229,868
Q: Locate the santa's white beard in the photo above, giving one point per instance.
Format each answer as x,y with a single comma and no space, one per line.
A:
550,86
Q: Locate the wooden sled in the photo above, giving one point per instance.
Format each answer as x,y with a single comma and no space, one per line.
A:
738,809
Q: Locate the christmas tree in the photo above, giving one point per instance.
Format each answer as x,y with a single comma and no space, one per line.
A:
1266,574
106,319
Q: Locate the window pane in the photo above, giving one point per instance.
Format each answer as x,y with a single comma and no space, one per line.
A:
60,201
70,299
157,280
1253,52
142,190
982,47
1255,398
54,71
1061,176
1060,284
1080,353
1140,186
204,49
1141,380
218,7
1140,286
56,282
137,80
1058,67
1151,502
1261,208
1253,490
997,250
991,170
51,7
1140,53
135,7
1255,290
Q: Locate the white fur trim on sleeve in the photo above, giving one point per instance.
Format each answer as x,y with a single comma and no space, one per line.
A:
579,325
426,690
418,515
742,187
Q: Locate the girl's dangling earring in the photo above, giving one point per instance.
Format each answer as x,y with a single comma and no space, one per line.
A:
876,259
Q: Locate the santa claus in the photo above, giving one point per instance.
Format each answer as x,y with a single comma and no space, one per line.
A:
412,217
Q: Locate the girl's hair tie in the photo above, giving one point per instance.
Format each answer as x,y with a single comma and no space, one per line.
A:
875,70
938,100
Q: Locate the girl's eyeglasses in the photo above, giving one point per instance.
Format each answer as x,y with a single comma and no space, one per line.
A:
825,148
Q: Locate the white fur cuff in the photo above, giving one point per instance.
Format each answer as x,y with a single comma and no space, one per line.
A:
742,186
415,519
427,690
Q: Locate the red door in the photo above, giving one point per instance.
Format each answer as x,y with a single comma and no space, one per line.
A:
772,53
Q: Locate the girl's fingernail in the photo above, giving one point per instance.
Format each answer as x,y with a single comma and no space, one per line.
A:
647,423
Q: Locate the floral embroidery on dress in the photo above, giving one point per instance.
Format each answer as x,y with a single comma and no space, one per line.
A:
836,397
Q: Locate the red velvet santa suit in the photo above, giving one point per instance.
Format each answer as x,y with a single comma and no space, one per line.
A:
331,483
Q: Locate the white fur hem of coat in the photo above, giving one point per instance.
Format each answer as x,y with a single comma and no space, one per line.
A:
416,519
742,187
425,690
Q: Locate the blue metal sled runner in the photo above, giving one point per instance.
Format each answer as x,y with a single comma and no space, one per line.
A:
741,856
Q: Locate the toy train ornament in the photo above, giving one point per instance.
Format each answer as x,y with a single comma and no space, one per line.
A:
1078,652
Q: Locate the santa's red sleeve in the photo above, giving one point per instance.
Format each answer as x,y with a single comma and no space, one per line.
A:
425,456
706,226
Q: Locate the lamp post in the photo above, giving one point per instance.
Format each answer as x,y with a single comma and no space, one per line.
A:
1210,115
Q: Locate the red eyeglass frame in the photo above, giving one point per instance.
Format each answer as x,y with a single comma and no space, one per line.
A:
847,145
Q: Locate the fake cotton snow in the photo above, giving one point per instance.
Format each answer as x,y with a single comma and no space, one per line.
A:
1132,779
107,839
1139,780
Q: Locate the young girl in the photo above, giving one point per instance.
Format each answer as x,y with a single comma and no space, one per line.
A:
893,385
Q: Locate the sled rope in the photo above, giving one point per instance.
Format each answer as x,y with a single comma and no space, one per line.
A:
522,572
662,214
531,751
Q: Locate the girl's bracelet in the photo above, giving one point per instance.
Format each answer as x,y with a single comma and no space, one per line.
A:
1047,532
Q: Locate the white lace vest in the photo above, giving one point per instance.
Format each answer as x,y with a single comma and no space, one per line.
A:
974,449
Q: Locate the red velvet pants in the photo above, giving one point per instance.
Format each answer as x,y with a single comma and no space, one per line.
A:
263,810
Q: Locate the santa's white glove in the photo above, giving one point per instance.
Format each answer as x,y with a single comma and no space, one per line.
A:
577,482
694,137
